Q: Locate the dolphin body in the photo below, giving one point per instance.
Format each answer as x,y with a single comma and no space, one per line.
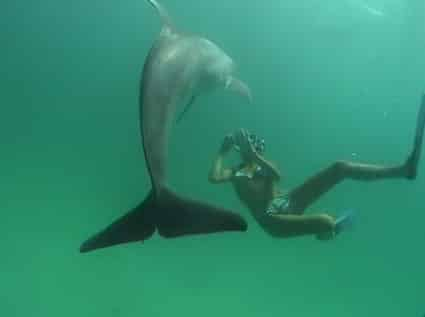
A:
178,68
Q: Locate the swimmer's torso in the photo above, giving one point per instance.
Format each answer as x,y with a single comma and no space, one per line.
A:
254,189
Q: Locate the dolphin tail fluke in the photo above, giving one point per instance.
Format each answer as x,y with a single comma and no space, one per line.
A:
165,17
181,216
137,225
172,215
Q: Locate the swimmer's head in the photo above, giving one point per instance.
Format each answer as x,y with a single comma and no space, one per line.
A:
258,143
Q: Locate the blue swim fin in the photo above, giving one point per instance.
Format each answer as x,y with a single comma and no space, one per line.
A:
345,221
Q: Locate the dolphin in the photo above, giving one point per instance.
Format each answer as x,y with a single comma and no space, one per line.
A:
177,69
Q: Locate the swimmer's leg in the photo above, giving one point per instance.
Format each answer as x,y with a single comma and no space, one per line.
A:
313,188
319,184
289,225
323,226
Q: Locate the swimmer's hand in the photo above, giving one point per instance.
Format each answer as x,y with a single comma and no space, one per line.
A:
247,150
227,144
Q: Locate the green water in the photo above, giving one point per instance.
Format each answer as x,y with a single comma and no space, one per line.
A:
329,79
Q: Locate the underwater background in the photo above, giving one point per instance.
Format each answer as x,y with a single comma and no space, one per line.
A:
336,79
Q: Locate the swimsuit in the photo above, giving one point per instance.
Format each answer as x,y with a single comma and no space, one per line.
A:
257,172
279,205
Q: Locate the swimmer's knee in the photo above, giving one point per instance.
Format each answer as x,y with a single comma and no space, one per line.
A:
340,167
327,222
326,228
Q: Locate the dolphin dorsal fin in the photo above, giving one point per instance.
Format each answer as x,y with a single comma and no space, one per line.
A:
163,14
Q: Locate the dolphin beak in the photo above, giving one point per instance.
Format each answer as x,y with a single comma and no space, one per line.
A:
238,86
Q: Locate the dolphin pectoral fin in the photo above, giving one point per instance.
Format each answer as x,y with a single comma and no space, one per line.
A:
137,225
239,87
186,109
180,216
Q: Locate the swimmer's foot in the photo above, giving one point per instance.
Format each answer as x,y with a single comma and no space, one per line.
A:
412,161
411,165
343,223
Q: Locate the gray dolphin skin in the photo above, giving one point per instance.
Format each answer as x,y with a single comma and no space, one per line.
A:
177,69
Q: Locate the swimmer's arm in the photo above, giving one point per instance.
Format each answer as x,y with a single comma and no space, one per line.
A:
218,173
270,168
265,165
